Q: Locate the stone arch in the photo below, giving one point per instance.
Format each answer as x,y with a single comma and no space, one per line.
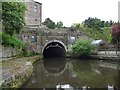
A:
54,48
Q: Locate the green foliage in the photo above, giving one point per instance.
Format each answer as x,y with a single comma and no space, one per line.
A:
76,26
47,20
97,23
95,28
49,23
13,16
110,39
97,33
26,53
8,40
82,47
59,24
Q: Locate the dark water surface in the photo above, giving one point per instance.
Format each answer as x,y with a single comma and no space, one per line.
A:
93,73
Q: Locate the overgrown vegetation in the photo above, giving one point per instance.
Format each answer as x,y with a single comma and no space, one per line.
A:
82,47
75,26
13,41
13,16
94,33
13,22
95,28
97,23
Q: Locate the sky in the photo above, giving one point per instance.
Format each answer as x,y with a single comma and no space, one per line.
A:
76,11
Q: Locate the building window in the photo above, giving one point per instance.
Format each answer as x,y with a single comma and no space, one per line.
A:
35,8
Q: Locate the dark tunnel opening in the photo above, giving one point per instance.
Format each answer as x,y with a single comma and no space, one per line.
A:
54,49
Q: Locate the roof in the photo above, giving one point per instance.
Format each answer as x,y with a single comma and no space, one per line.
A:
97,42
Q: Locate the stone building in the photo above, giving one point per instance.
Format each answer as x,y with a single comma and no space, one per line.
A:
33,20
33,15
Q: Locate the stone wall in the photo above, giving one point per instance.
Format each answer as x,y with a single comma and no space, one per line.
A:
6,52
37,37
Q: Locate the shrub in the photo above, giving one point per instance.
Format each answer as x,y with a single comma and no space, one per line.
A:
116,33
110,38
8,40
82,47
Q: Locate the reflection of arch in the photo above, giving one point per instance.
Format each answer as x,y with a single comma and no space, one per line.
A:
55,69
54,48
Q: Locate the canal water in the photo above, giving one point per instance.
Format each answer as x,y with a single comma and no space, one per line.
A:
93,73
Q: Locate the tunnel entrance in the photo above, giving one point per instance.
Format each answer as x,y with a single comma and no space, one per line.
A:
54,49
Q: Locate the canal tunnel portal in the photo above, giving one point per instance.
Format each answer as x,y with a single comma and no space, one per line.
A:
54,48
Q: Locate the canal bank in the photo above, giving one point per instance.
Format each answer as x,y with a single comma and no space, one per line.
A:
15,71
100,55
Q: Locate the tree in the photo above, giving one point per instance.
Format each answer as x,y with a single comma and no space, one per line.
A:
97,23
49,23
93,22
13,17
111,22
59,24
102,24
107,24
116,33
47,20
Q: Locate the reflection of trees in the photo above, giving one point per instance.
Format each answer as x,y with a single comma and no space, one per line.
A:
71,69
82,65
86,73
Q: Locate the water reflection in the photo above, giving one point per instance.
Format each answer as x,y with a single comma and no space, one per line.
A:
55,66
95,74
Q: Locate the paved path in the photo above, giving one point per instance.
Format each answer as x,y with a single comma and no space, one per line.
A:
11,67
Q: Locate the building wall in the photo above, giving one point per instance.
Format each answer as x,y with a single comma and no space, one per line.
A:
33,17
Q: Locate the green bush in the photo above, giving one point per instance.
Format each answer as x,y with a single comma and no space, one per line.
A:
82,47
110,40
8,40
